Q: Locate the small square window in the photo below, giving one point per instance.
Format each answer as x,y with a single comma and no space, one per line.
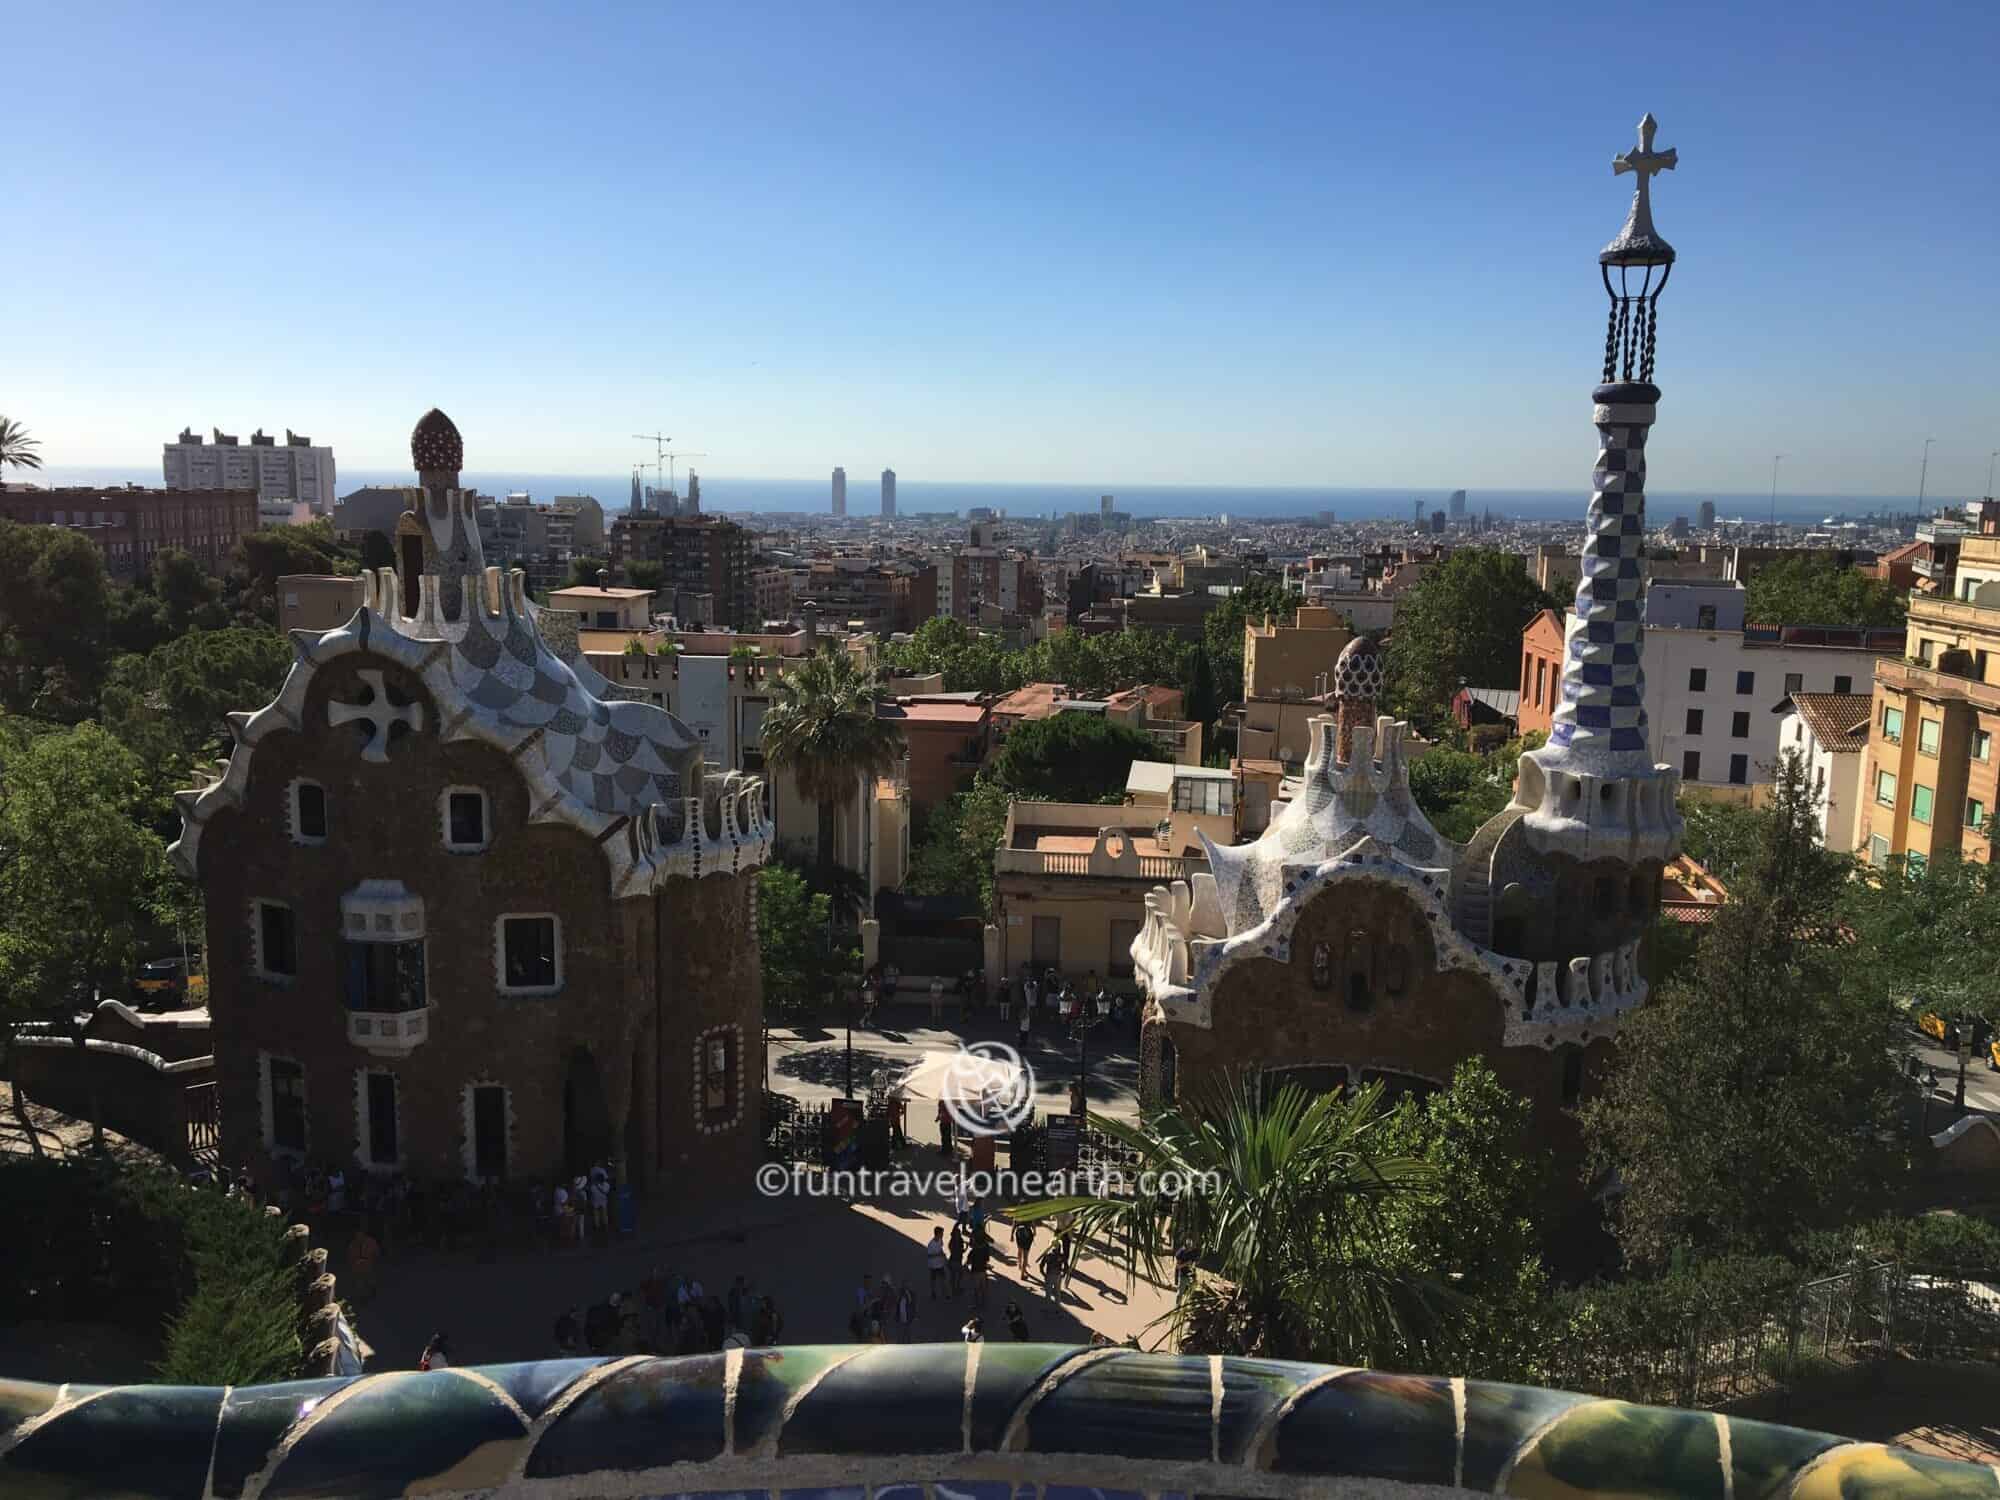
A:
1878,850
1739,726
1843,684
309,811
1704,617
1795,682
277,941
1694,721
1975,814
1928,734
1697,679
1885,788
530,954
1982,745
718,1077
1691,765
465,820
1739,770
1892,724
1746,682
1920,803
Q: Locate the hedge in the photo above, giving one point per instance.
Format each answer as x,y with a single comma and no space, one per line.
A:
138,1247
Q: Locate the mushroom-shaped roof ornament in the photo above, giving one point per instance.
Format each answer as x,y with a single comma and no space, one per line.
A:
1357,673
435,446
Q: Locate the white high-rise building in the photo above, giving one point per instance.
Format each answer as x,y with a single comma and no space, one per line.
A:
293,471
840,492
889,492
1105,504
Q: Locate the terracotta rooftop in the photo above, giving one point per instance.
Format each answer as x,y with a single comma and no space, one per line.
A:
1839,721
933,713
1033,700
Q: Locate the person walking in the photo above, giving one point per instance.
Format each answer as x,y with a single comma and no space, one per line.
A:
437,1354
937,999
1031,997
1024,1241
1006,998
906,1312
1017,1322
973,1332
1027,1017
934,1257
1052,1269
978,1260
955,1258
944,1129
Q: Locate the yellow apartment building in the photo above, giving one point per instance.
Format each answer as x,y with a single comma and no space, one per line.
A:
1930,783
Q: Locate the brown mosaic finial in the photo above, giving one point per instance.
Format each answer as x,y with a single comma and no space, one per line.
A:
1357,682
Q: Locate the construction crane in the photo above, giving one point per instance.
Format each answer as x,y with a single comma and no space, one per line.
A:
670,464
659,440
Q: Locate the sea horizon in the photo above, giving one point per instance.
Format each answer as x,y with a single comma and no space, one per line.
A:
1030,501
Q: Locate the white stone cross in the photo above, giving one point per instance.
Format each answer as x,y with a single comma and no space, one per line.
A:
380,713
1644,163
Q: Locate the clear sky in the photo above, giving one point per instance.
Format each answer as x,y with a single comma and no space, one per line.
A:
1154,243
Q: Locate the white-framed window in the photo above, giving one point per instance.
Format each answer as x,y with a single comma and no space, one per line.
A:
378,1119
281,1090
718,1079
274,939
467,819
527,953
308,810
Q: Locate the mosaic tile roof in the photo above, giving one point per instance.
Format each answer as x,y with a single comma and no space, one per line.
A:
922,1422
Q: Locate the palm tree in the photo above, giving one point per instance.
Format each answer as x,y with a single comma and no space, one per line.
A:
16,447
1286,1201
823,730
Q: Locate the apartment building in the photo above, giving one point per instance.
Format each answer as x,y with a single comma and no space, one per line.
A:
1928,783
129,525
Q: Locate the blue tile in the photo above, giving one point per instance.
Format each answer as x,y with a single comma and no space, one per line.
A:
655,1412
255,1420
139,1439
393,1433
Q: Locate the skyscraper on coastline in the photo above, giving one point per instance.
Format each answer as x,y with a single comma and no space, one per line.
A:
889,493
840,492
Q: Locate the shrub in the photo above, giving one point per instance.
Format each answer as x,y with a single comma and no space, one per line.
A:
141,1249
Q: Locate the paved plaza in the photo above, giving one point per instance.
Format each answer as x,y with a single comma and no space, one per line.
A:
810,1063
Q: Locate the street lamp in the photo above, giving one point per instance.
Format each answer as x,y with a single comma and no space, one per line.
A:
1964,1053
1924,474
1989,472
1775,457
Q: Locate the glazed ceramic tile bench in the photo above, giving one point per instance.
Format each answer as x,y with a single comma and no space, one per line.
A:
920,1422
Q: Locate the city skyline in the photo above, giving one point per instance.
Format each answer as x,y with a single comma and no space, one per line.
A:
1260,268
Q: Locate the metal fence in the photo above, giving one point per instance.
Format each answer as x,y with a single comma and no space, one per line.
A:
1699,1348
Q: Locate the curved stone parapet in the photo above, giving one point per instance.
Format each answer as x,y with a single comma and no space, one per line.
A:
956,1421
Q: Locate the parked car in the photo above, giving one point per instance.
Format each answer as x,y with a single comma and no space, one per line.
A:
166,984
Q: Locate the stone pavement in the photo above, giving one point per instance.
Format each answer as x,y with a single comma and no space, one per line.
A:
810,1063
808,1253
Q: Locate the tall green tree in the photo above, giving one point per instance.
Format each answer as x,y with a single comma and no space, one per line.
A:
263,557
1921,930
1475,1227
953,854
794,933
1286,1202
1222,631
1071,757
1814,589
17,449
1755,1099
1724,838
822,730
1199,701
1460,626
55,613
1458,791
81,877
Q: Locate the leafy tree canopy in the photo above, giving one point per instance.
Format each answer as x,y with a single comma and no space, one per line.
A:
953,854
1813,589
1222,631
54,621
794,926
1071,757
1756,1098
1460,626
80,875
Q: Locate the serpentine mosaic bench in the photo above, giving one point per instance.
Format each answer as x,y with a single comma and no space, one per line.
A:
919,1422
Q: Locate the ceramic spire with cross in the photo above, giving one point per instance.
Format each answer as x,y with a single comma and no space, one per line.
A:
1594,791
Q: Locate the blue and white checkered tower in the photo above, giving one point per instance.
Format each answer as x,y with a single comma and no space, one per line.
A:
1593,790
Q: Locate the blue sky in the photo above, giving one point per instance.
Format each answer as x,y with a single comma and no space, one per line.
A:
1159,243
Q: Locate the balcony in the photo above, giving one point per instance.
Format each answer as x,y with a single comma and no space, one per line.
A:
389,1033
1151,868
1940,686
